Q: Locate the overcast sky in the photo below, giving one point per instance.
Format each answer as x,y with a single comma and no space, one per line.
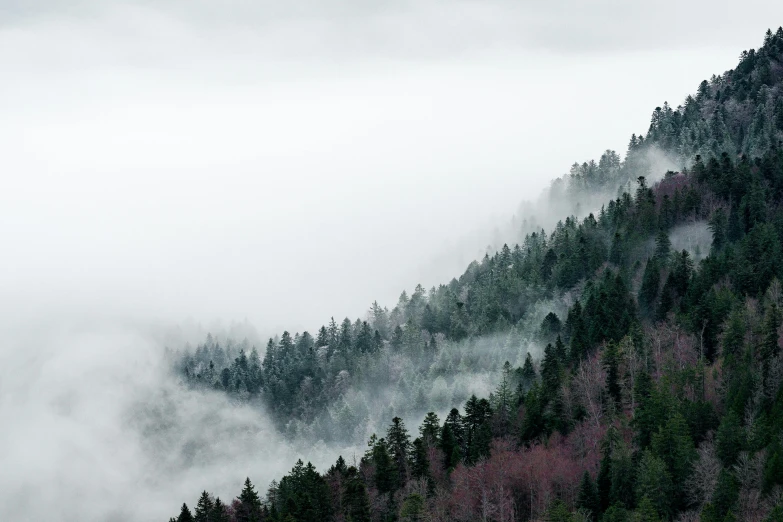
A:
289,161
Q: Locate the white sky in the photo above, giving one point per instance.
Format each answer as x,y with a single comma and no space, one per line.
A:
285,162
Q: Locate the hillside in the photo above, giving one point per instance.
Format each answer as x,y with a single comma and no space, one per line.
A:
623,366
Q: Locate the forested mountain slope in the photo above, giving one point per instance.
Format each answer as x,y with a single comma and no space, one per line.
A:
657,394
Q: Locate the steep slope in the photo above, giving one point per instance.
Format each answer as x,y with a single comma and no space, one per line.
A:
674,366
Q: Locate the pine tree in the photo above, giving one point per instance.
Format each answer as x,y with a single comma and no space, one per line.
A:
588,496
651,282
579,335
356,502
674,446
503,400
184,514
730,439
451,439
399,444
663,247
604,478
558,512
550,372
646,511
560,352
219,513
654,483
528,373
430,429
420,465
612,365
249,504
203,508
386,474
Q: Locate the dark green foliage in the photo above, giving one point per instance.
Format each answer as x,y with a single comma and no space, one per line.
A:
412,508
219,512
399,445
588,496
730,439
674,446
355,499
185,514
386,474
623,478
430,430
558,512
612,366
654,483
204,508
420,464
527,373
551,326
476,428
651,283
647,511
616,513
249,509
726,493
604,478
550,371
776,515
303,494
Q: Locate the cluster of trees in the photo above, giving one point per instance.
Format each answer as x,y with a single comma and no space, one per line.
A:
659,395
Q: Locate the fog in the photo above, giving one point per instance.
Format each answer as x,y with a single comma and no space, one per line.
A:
96,429
176,166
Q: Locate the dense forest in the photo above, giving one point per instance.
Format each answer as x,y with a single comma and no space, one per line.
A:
628,361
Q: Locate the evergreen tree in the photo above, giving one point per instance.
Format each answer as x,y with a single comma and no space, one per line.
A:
430,429
185,514
386,475
674,446
249,509
730,439
655,484
451,439
612,365
219,512
663,247
550,372
355,498
651,282
588,496
399,444
528,376
204,508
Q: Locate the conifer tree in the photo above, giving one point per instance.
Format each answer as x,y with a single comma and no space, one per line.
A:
663,247
355,498
430,429
550,371
219,512
612,365
249,504
588,496
399,444
203,508
386,474
185,514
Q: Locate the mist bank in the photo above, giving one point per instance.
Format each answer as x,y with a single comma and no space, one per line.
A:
96,428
